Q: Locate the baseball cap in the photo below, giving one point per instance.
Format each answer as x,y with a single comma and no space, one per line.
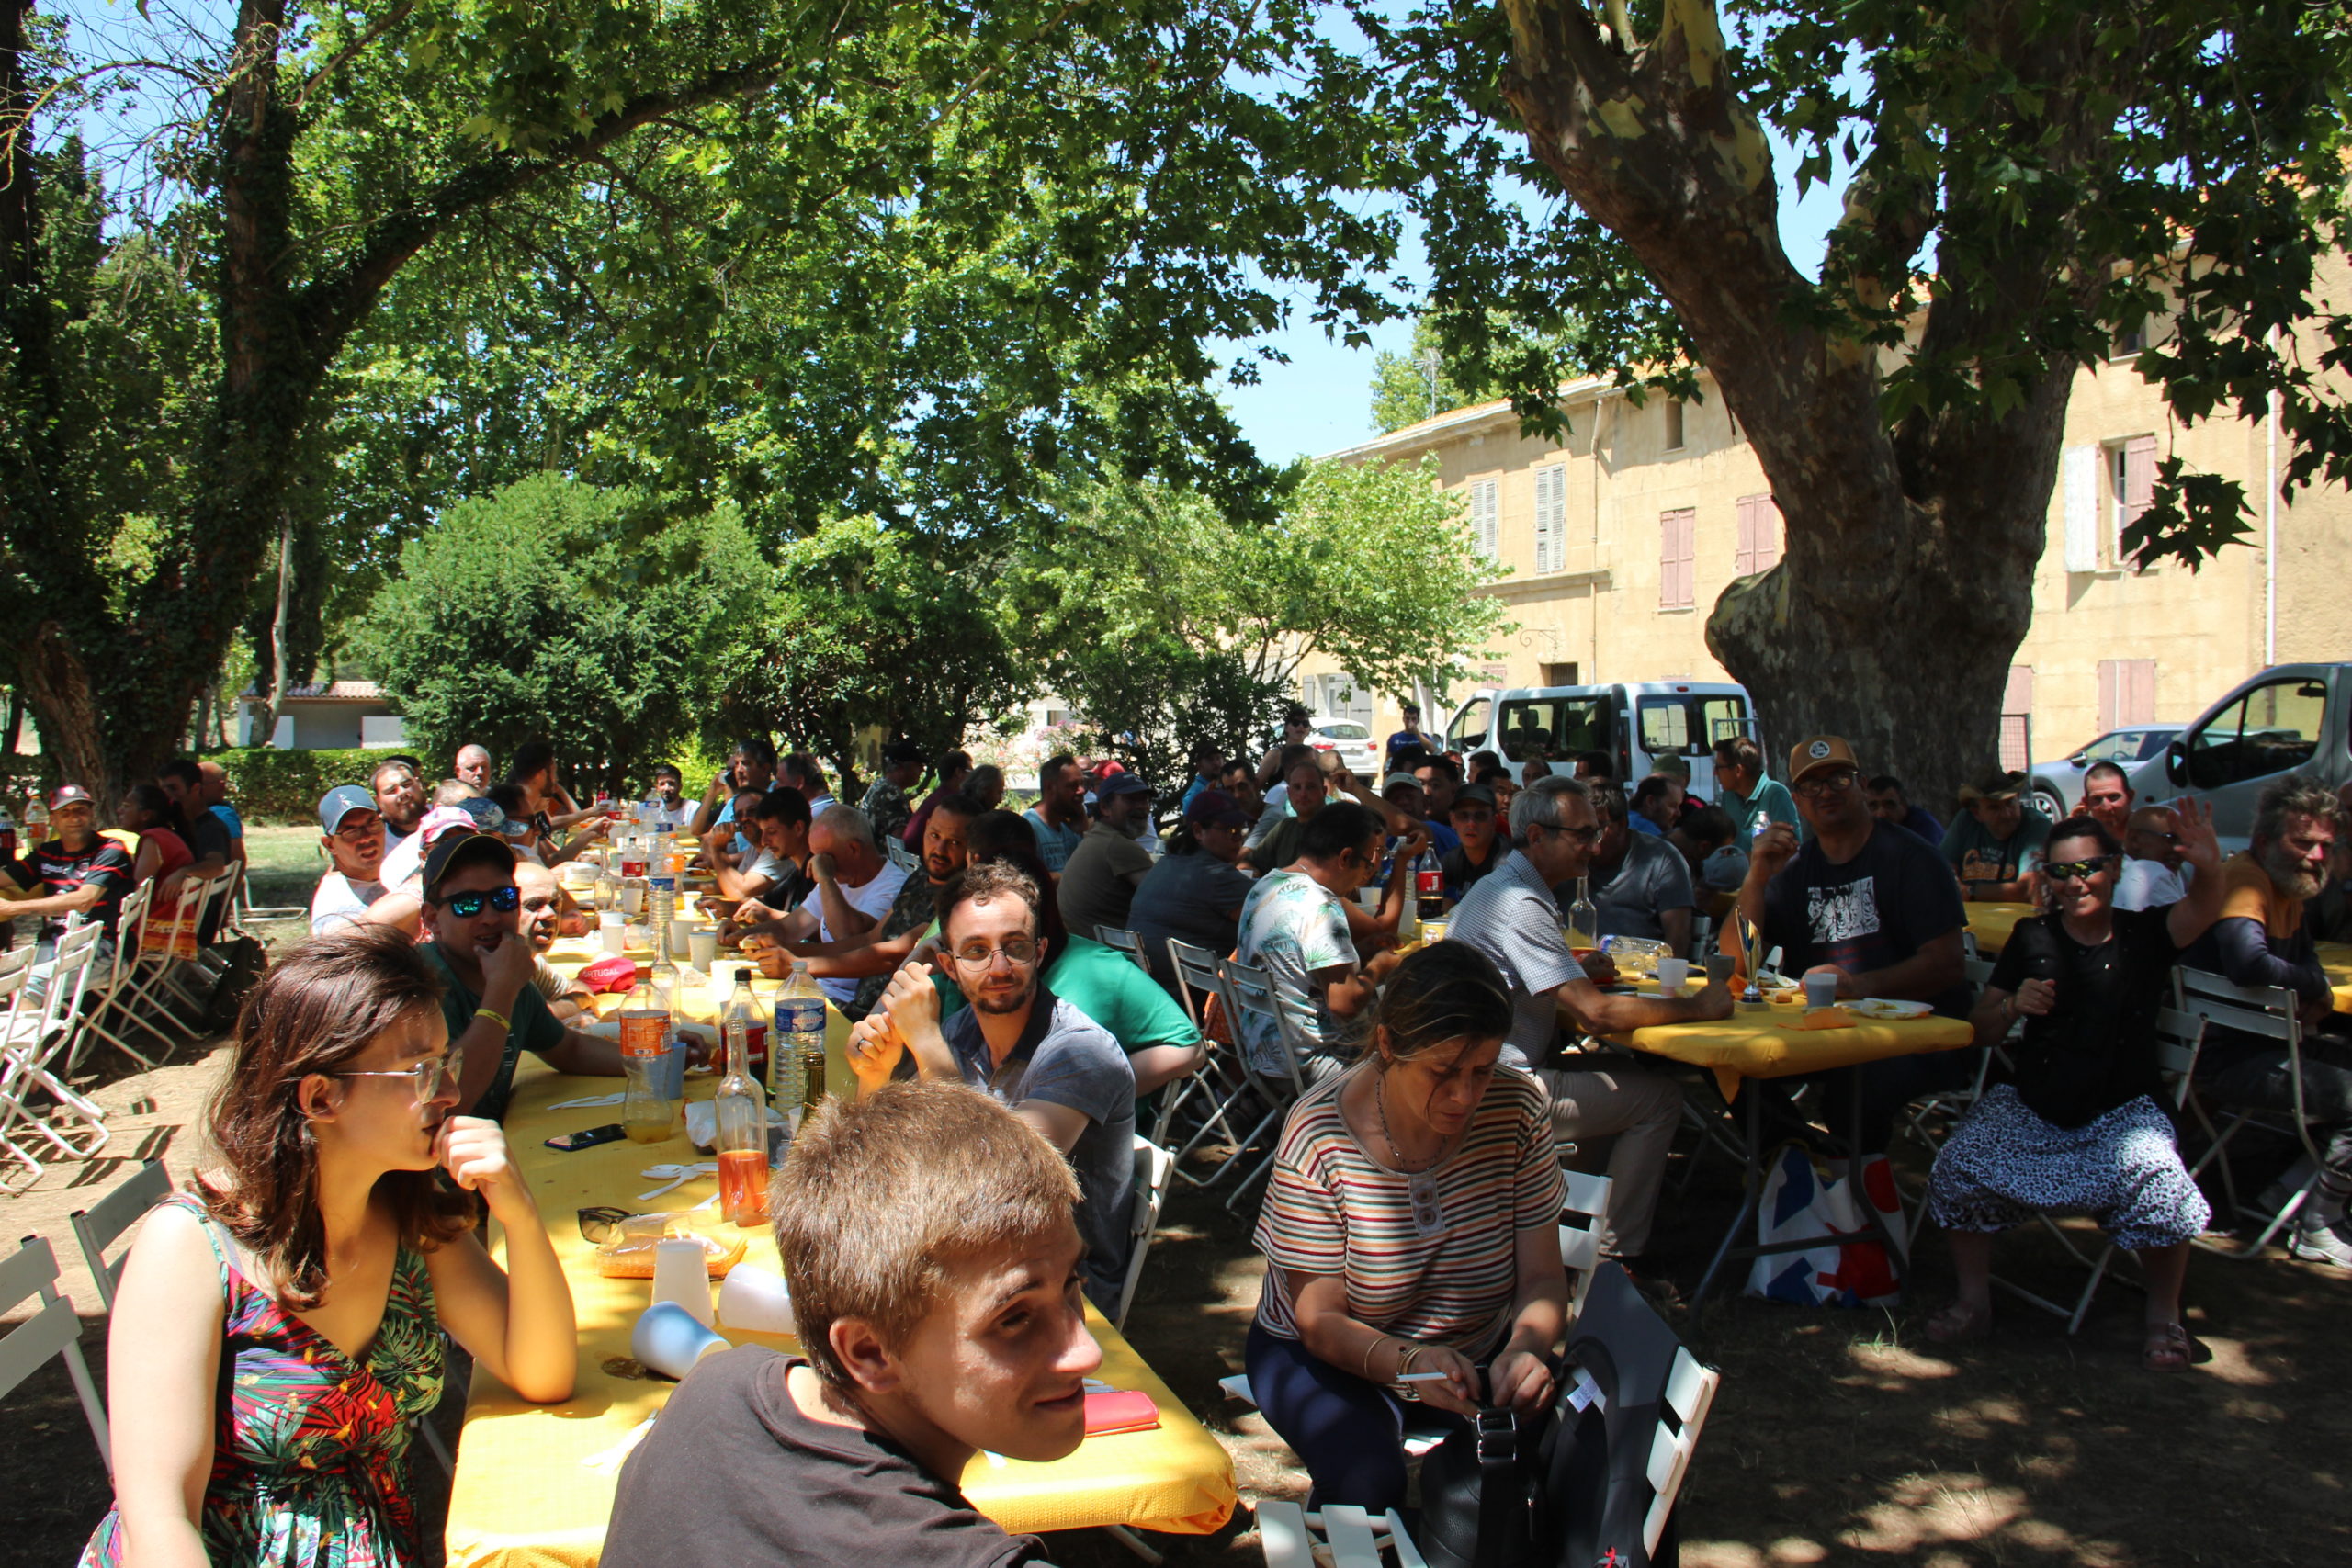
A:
1821,751
1121,782
1473,795
341,802
440,819
1393,779
1993,783
71,794
454,850
1214,808
485,813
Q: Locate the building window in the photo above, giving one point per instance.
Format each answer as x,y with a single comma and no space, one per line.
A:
1672,413
1485,518
1676,557
1551,518
2132,490
1556,673
2128,340
1760,535
2127,691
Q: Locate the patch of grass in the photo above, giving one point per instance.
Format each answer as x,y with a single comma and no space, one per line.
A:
283,865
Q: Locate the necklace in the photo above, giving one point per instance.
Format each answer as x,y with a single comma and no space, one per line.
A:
1421,1186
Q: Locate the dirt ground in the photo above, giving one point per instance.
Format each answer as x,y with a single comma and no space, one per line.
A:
1838,1437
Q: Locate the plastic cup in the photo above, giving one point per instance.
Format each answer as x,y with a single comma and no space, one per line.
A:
1719,967
669,1339
702,947
1820,991
633,896
755,1299
1671,973
682,1277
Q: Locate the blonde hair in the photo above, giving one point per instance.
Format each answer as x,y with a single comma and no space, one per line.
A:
881,1197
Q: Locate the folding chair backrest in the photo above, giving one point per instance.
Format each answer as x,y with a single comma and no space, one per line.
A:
1155,1167
1127,942
16,964
1582,1219
901,855
97,1226
171,930
1968,948
1689,1392
2264,1011
2179,1036
128,922
1250,989
1196,977
69,971
51,1331
1977,971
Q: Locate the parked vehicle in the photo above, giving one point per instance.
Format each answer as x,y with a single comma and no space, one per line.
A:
2289,718
1635,722
1355,743
2057,787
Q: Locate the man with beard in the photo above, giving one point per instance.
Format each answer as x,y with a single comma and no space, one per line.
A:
1059,1070
1099,883
2263,938
400,800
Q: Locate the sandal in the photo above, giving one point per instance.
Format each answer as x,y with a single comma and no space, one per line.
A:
2166,1349
1958,1323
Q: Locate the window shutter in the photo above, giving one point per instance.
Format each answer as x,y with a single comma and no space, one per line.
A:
2140,691
2110,693
1772,532
1551,518
1678,534
2139,490
1742,560
2078,480
1486,519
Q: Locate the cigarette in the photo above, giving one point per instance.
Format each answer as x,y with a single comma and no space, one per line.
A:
1425,1377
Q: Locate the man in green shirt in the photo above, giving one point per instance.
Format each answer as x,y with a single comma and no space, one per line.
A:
1996,848
1748,796
473,917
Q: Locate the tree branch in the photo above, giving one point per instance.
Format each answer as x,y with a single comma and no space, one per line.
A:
350,51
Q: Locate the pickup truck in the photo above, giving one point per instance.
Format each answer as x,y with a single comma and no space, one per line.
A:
2289,718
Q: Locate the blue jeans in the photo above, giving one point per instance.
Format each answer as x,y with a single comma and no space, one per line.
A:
1351,1433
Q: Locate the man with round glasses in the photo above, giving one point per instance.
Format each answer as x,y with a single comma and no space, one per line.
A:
1059,1070
474,922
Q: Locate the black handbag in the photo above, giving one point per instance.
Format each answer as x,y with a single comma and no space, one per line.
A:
1481,1497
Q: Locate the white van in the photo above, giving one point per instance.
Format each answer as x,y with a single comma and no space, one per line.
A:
1635,722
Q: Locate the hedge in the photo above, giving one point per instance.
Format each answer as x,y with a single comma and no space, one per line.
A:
270,785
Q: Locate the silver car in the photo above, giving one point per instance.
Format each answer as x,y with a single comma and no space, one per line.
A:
1354,743
2056,789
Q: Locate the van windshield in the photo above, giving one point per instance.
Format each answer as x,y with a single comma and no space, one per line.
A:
1552,728
1680,725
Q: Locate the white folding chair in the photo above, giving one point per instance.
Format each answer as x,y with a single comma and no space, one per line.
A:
2268,1012
1247,989
105,996
1154,1166
98,1226
1682,1414
51,1331
1583,1218
2179,1035
1353,1537
1127,942
1219,1078
37,1034
165,976
901,856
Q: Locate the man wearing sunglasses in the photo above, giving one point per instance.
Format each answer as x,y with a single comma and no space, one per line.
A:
1513,917
352,892
1059,1070
2153,872
474,920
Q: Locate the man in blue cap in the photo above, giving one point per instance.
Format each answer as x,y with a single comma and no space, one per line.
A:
351,830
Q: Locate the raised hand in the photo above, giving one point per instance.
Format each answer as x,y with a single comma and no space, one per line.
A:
2193,832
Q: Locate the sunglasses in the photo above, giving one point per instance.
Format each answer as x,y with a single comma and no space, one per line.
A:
1835,782
427,1075
1585,835
466,906
2077,870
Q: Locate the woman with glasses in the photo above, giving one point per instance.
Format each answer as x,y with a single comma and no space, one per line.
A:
279,1326
2076,1126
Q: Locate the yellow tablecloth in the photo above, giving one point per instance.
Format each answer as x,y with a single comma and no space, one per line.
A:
1760,1042
2336,957
524,1494
1992,923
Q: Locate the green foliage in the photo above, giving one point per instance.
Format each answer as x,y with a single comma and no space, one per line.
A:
867,626
554,611
1428,380
270,785
1165,624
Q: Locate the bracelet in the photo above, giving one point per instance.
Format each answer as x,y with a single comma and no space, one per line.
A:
1370,1350
495,1017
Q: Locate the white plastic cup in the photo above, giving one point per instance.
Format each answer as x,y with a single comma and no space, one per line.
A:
682,1276
633,896
756,1300
1671,973
1820,991
669,1339
611,932
702,947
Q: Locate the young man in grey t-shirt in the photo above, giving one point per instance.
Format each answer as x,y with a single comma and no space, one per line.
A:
1059,1070
1640,885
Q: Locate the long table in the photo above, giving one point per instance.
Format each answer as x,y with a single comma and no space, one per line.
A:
534,1484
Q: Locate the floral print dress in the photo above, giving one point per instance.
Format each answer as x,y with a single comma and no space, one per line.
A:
310,1450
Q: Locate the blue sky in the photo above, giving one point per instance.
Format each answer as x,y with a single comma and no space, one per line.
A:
1321,400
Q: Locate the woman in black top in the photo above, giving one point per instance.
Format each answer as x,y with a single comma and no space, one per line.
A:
2077,1126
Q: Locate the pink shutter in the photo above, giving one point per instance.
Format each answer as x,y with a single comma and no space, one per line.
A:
2139,690
2110,693
1770,533
2139,491
1678,533
1743,561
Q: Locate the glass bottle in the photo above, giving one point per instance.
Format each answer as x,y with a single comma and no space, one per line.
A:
743,1139
648,1113
1584,924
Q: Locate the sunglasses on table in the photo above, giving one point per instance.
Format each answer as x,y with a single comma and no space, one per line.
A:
2077,870
466,906
428,1074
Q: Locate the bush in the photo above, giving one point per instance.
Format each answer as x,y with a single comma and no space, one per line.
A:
267,785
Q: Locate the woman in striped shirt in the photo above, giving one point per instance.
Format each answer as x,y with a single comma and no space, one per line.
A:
1411,1227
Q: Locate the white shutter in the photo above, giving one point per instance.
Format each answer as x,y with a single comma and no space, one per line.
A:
1486,517
2079,482
1551,518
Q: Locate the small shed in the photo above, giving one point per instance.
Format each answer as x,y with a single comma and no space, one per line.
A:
325,715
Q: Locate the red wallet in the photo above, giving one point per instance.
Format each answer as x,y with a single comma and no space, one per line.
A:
1127,1410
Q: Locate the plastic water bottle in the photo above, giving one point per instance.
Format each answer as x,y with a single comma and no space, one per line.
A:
648,1113
796,1049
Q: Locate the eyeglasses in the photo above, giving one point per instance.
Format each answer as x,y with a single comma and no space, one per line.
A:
1837,781
466,906
358,833
1021,953
1585,836
600,1223
2077,870
427,1075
